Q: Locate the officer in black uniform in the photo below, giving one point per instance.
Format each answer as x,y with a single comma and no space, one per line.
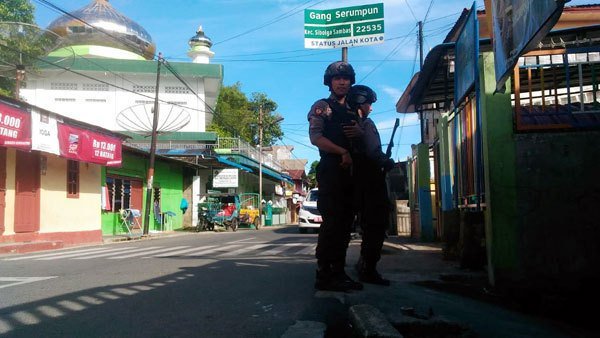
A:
371,188
334,178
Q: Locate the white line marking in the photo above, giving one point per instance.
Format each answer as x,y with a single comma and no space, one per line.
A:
54,254
243,250
243,240
279,249
83,254
118,253
308,250
21,280
171,254
209,251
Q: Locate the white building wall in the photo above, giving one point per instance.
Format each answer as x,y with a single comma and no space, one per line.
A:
99,104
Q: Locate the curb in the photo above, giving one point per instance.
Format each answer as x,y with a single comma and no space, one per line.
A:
367,321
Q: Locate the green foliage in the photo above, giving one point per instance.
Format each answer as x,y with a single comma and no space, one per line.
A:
15,50
312,175
16,11
237,116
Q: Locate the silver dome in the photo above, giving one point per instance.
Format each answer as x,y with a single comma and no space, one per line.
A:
126,34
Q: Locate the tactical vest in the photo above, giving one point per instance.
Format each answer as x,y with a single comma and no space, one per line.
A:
332,128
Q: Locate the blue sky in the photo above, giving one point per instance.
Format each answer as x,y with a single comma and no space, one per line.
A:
260,43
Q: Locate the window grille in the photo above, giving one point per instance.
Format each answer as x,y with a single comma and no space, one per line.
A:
72,179
63,86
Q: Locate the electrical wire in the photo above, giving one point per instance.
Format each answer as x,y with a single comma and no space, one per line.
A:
275,20
394,50
93,78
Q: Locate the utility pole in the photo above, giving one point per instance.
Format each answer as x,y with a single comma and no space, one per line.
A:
260,183
420,37
420,45
20,77
150,177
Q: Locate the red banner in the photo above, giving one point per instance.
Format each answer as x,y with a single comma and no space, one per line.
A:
87,146
15,127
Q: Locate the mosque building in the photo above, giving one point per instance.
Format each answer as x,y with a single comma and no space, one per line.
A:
104,73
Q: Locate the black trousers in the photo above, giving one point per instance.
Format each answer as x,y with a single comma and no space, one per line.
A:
374,209
335,204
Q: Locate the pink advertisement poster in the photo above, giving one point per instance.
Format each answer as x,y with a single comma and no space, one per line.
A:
87,146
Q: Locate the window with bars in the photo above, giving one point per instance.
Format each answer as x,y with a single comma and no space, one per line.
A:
143,89
119,193
72,179
556,90
463,163
63,86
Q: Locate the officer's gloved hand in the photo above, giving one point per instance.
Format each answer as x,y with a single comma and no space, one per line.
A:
388,165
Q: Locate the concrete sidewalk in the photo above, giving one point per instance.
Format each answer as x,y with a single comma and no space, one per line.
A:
430,297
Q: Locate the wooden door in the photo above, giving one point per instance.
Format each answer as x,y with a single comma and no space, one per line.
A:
136,195
27,192
2,187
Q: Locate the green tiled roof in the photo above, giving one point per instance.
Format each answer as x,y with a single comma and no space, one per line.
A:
178,136
132,66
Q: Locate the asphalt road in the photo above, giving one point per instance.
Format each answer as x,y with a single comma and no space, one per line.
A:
244,284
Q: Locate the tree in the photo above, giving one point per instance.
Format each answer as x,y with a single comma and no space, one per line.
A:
12,11
237,116
312,175
16,11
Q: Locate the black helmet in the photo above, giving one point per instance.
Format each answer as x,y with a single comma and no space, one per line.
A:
338,68
360,94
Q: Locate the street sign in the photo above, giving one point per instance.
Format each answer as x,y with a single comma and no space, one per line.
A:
343,27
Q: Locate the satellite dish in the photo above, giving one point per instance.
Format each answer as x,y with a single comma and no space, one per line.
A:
21,44
138,119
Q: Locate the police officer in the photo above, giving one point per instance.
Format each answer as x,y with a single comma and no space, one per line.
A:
334,178
373,202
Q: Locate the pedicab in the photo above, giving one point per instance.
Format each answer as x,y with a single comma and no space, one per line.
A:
249,210
219,209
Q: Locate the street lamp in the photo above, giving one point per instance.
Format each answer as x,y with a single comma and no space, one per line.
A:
260,160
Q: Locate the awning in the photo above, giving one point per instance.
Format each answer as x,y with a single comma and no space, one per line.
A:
232,164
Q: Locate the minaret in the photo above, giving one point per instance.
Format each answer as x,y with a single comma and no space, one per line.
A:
200,47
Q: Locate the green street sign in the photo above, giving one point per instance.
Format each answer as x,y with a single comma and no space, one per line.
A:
344,27
343,15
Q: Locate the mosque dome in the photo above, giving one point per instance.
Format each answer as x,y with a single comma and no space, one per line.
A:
123,34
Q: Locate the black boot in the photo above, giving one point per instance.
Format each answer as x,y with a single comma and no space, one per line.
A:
340,274
367,273
326,280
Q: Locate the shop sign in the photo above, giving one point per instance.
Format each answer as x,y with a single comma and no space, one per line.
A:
225,178
44,132
87,146
15,127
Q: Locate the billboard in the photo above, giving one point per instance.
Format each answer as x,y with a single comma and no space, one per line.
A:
15,127
518,26
465,62
88,146
343,27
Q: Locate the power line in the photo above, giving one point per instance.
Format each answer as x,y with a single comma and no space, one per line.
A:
277,19
411,11
394,50
94,79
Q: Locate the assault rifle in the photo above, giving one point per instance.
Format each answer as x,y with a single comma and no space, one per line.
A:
388,152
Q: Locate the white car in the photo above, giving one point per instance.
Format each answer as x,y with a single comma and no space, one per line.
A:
309,215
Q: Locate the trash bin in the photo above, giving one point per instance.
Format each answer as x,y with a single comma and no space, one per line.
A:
268,214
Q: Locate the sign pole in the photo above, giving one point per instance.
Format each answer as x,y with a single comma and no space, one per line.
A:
345,54
260,178
150,177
